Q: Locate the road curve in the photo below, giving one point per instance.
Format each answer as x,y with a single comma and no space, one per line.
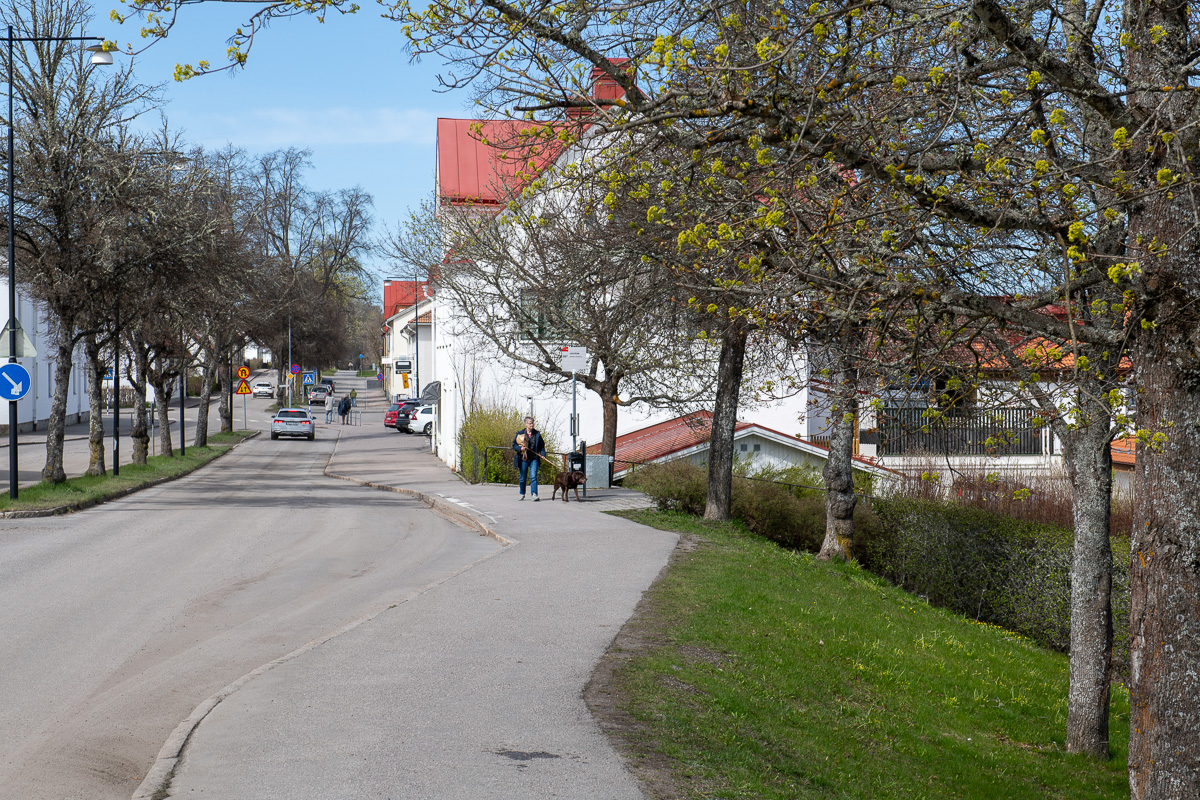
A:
118,621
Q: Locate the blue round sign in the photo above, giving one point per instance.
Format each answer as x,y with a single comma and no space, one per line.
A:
14,381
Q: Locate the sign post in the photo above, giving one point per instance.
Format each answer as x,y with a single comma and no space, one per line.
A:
574,358
243,389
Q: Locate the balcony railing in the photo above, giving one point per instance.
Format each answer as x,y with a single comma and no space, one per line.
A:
974,432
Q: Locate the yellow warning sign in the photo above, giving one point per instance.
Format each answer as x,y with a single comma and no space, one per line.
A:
243,387
405,376
243,372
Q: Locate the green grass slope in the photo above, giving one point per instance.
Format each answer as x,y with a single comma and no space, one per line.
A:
769,674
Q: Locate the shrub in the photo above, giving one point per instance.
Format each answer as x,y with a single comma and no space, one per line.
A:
992,567
495,426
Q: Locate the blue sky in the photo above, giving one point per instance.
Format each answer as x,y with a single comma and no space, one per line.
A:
344,89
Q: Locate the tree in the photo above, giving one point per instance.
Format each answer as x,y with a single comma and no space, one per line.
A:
68,172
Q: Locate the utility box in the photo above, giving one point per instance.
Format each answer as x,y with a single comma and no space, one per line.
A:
599,471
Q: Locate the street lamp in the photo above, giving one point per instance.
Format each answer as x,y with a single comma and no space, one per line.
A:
100,57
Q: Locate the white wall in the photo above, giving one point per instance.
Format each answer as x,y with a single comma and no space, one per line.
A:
33,410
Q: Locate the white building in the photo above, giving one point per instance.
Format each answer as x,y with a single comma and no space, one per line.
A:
472,371
33,410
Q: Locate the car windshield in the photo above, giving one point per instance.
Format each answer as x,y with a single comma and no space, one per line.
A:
287,414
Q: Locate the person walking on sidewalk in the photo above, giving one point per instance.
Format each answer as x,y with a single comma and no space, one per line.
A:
529,447
344,408
330,406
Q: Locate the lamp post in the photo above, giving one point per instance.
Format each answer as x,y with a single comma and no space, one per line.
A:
100,57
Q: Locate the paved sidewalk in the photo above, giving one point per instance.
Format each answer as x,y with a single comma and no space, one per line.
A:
470,689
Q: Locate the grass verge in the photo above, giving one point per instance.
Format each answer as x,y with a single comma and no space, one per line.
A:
751,671
89,490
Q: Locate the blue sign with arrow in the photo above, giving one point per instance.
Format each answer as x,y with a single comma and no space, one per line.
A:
310,378
14,381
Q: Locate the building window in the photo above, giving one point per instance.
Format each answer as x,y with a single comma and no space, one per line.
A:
758,448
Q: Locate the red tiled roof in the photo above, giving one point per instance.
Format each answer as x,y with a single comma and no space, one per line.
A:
398,295
1124,451
485,162
682,433
664,438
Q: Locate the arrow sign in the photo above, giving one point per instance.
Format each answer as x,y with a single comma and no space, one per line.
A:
15,383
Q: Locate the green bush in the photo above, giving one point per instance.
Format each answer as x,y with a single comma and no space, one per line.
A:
994,568
1011,572
496,427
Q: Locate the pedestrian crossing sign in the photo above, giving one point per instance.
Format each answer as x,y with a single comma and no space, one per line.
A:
243,387
310,379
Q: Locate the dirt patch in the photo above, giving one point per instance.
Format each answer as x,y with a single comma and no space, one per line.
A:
645,631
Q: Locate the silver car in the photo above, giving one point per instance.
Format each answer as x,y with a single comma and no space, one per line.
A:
293,422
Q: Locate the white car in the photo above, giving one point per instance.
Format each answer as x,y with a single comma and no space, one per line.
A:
293,422
263,389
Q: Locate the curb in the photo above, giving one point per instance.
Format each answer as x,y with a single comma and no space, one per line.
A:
449,510
86,504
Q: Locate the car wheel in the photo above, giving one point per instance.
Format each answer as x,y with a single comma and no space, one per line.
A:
312,436
428,428
274,435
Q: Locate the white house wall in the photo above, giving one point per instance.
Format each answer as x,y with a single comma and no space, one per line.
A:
33,410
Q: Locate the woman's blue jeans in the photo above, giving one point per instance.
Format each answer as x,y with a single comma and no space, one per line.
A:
528,470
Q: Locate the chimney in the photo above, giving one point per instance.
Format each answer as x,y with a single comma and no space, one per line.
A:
604,90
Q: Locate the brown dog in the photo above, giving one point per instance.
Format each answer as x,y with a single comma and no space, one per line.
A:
568,480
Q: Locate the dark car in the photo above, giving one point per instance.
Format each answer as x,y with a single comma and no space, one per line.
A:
328,382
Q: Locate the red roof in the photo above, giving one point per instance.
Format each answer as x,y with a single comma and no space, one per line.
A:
1123,451
487,162
398,295
682,433
664,438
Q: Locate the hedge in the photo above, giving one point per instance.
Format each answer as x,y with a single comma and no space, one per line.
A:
993,568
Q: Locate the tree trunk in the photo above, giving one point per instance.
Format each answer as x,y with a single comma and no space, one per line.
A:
162,400
719,504
838,472
1087,453
1164,735
57,423
139,431
94,370
225,408
206,382
608,396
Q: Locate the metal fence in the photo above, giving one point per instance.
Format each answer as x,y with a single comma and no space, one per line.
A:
1001,431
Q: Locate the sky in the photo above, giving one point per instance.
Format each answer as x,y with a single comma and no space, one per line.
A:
345,89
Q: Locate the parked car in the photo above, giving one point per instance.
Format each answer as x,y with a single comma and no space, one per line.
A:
419,418
263,389
317,394
293,422
389,416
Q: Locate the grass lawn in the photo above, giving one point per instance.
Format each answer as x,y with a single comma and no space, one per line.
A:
86,489
764,673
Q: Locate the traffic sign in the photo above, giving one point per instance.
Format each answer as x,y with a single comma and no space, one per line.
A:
243,372
379,377
14,382
295,369
310,379
243,387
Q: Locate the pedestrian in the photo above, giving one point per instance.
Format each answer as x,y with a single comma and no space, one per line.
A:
330,405
354,398
344,408
528,447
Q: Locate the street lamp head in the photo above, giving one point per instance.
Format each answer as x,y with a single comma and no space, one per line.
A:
100,56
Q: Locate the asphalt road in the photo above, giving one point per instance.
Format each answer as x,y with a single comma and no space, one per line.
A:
118,621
